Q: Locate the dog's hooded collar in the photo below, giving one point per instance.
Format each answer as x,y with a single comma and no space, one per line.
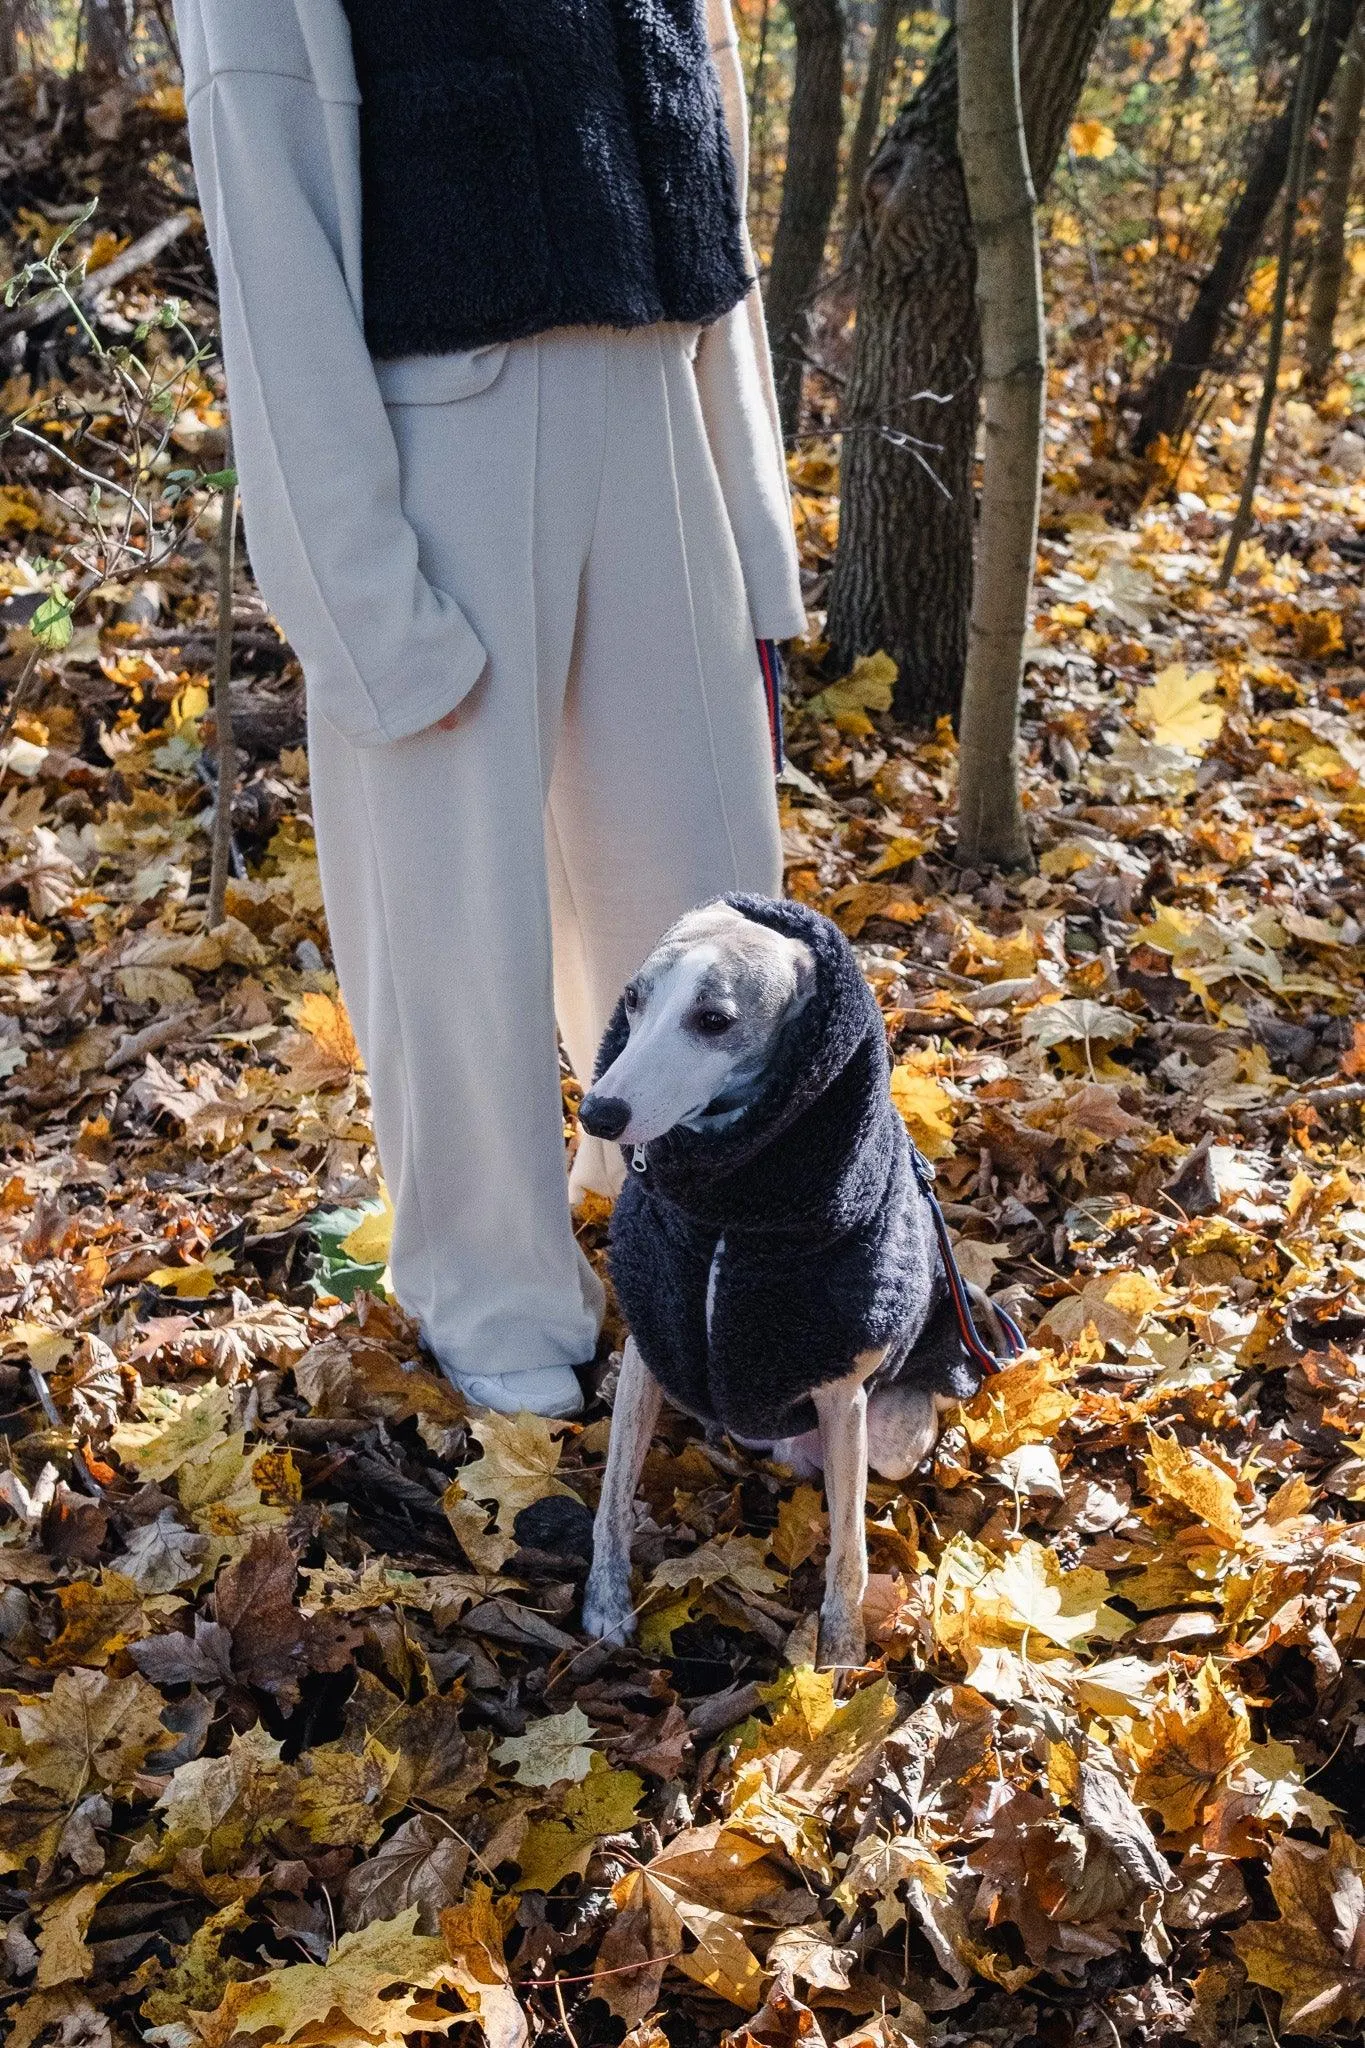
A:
789,1155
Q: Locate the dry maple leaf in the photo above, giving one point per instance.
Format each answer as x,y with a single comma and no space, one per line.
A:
520,1461
354,1985
550,1750
1314,1954
1186,1747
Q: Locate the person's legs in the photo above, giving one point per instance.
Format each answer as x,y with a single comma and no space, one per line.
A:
432,855
662,795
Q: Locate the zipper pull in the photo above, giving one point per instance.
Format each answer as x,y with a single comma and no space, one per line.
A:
638,1162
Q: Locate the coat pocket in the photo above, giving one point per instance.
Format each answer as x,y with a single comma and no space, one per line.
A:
455,239
439,380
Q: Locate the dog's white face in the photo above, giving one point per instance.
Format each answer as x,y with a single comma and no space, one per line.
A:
706,1011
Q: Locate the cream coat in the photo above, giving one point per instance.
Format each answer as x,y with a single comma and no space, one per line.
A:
273,100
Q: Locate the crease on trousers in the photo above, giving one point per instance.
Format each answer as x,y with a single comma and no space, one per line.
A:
611,769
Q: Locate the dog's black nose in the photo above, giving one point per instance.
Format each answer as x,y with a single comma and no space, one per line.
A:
604,1116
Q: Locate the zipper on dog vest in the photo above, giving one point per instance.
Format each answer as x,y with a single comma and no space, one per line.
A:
638,1162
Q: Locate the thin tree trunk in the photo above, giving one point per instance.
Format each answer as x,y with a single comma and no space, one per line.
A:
1329,256
1009,294
810,188
222,711
902,574
881,58
1305,100
1166,403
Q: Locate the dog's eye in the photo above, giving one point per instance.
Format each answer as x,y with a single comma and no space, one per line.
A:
631,997
713,1022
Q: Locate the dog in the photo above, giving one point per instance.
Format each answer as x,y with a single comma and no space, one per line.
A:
775,1249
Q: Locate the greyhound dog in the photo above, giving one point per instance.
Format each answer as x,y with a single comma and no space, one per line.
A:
776,1249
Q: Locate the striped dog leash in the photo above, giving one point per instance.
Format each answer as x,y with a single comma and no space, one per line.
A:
977,1350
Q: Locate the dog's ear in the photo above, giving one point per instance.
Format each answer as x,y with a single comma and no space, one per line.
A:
805,976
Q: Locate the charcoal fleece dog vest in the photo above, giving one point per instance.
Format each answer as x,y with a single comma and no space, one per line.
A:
809,1208
529,164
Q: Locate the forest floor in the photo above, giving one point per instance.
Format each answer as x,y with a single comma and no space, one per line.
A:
302,1739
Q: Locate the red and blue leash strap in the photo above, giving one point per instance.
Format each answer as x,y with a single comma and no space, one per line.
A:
770,663
1014,1336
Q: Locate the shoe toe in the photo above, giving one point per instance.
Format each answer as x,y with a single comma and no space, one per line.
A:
546,1390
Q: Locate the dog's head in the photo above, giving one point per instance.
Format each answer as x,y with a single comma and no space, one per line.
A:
706,1013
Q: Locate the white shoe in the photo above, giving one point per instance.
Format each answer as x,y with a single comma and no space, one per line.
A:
544,1390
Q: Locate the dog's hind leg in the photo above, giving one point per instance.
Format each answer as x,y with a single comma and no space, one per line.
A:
607,1611
902,1428
842,1409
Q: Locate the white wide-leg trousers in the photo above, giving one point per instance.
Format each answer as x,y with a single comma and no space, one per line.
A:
611,769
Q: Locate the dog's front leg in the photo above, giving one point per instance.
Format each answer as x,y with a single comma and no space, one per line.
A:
842,1409
607,1611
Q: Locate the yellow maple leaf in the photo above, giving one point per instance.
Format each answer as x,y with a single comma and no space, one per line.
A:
926,1109
603,1803
1176,707
1023,1403
328,1023
370,1242
802,1528
1092,138
195,1280
867,687
1196,1482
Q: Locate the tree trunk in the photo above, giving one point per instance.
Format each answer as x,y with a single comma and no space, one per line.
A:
106,39
1329,257
1305,99
1166,404
809,190
881,58
1009,295
902,575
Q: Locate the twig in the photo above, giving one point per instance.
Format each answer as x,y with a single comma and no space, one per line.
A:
151,1038
19,319
49,1406
222,709
720,1711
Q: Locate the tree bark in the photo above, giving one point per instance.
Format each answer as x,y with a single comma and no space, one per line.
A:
880,59
1329,256
810,188
1305,99
902,574
1009,296
1165,406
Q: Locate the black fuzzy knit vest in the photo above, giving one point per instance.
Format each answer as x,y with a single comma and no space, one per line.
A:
528,164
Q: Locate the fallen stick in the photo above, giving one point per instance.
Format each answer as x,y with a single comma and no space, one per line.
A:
151,1038
146,249
721,1710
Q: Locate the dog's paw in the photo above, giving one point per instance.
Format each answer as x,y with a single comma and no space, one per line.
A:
607,1612
843,1643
